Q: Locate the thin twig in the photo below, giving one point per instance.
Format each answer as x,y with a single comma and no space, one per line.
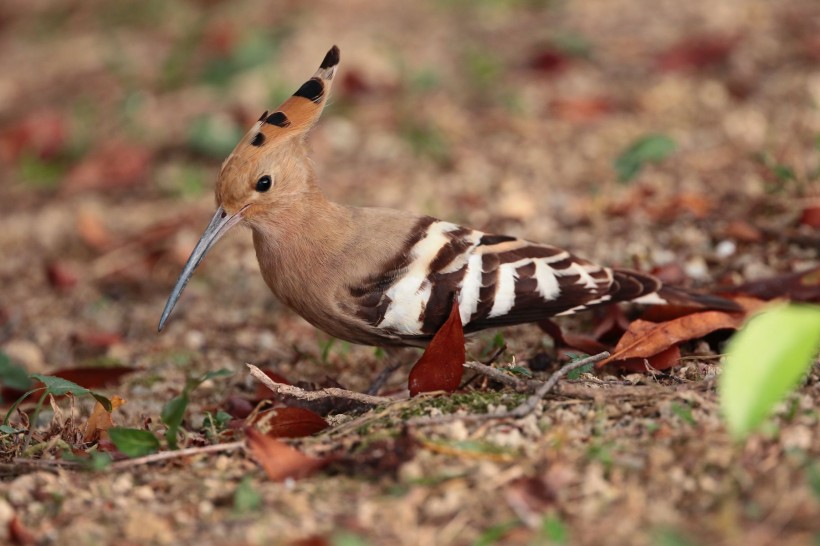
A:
165,455
321,394
521,410
138,461
497,375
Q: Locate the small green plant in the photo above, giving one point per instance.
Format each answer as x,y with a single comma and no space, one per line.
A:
12,375
684,413
133,442
174,411
648,149
554,531
577,372
54,386
764,362
246,498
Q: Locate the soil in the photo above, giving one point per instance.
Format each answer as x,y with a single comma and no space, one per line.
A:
503,115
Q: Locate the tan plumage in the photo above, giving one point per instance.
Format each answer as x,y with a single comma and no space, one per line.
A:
386,277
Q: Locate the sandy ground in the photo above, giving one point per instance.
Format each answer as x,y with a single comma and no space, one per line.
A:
503,115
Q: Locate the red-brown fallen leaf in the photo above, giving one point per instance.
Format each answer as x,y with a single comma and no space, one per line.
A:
19,534
315,540
220,38
698,52
672,273
114,165
743,231
93,232
810,217
238,407
88,377
100,420
582,109
661,361
611,326
665,313
289,422
696,204
95,377
279,460
573,341
60,275
441,366
801,286
41,134
354,84
549,60
645,339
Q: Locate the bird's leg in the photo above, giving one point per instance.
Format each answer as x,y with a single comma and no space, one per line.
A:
395,357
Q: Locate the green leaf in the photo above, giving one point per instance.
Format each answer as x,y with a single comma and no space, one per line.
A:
496,533
647,149
106,403
246,498
172,414
577,372
519,370
59,386
6,429
133,442
223,372
554,530
17,403
765,361
12,375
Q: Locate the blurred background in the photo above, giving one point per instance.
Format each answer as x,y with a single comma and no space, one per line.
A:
677,137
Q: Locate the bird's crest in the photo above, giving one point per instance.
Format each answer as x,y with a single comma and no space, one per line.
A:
297,114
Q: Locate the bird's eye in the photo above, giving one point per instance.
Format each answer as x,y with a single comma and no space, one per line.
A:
264,183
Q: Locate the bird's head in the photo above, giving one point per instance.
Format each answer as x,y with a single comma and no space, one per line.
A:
267,170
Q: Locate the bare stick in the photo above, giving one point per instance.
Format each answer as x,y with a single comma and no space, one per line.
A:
138,461
497,375
521,410
165,455
321,394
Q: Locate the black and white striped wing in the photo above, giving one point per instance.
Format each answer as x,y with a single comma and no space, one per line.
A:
499,281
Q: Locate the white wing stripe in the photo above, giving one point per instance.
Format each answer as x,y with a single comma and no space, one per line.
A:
410,294
504,297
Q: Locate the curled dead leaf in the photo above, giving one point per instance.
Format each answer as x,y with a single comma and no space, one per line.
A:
289,422
441,366
279,460
646,339
100,420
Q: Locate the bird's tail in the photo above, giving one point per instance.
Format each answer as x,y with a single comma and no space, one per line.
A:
646,289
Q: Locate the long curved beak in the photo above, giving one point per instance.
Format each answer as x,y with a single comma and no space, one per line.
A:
220,224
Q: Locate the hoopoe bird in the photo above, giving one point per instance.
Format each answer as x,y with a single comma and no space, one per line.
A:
377,276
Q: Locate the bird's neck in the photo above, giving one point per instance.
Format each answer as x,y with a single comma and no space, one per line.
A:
301,242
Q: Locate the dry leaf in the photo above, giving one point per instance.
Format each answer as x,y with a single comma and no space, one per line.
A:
100,420
278,459
801,286
810,217
644,339
114,165
580,342
441,366
289,422
60,275
95,377
661,361
698,52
